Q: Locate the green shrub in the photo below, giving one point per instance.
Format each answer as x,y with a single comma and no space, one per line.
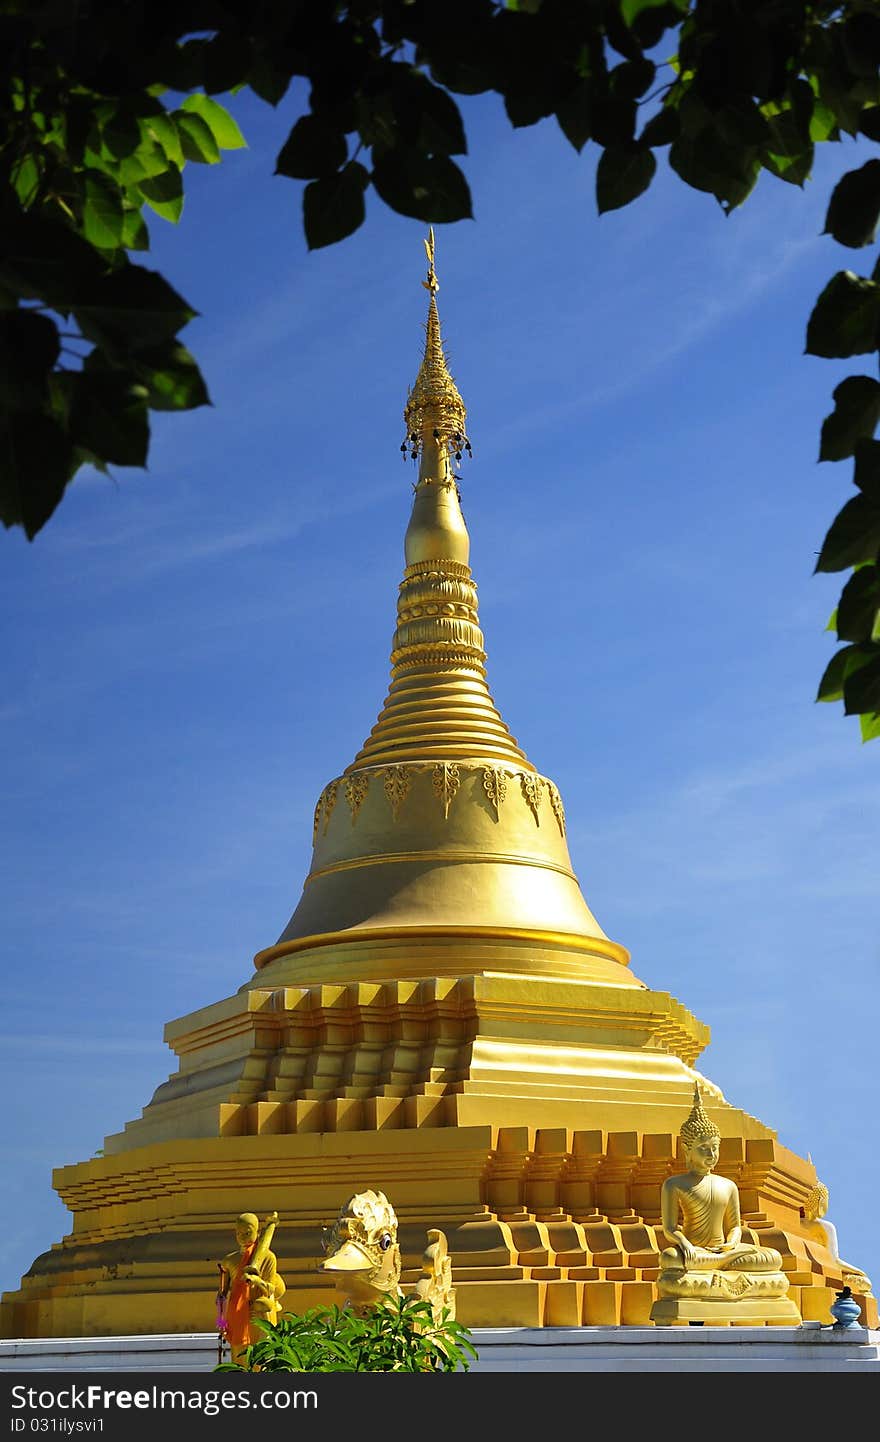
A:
397,1336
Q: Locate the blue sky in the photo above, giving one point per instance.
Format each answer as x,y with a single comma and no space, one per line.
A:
192,652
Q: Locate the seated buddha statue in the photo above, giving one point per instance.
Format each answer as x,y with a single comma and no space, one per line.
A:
709,1272
818,1228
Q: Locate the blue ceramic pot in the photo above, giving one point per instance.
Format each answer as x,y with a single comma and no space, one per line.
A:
846,1312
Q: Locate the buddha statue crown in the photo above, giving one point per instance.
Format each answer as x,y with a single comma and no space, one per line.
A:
697,1127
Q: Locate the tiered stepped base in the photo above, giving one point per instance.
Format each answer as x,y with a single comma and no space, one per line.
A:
533,1121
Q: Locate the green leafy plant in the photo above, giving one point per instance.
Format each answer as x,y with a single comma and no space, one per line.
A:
398,1336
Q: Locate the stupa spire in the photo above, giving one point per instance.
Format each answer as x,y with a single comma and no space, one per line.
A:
441,832
438,707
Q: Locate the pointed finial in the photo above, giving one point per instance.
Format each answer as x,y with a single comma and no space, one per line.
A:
435,412
432,284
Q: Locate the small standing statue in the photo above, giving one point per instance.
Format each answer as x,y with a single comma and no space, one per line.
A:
250,1286
710,1274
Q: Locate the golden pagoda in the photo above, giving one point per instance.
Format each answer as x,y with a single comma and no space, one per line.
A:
442,1019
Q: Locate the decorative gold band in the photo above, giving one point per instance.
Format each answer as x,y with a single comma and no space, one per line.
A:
391,858
565,940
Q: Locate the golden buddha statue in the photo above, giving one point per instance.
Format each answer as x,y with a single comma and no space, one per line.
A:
819,1229
250,1285
709,1273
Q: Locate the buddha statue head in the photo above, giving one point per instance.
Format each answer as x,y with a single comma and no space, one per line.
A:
700,1138
816,1202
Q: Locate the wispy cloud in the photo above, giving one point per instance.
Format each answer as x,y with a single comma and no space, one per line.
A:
703,311
726,829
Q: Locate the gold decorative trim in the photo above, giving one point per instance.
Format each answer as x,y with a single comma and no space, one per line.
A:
395,858
330,793
438,653
446,781
558,808
439,570
495,787
397,785
532,787
570,940
318,804
447,776
356,787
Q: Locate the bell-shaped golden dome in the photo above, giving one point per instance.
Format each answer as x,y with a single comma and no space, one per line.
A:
440,850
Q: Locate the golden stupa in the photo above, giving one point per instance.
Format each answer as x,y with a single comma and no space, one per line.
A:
442,1018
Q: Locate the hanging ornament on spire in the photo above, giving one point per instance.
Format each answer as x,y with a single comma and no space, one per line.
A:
434,410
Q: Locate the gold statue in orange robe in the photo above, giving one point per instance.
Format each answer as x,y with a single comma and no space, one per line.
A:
251,1287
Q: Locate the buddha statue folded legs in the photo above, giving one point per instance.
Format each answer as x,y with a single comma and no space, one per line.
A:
709,1273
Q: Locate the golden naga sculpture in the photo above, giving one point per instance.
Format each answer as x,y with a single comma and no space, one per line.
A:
362,1250
710,1274
819,1229
250,1284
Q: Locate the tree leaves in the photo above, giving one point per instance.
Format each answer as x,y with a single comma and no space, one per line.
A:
427,187
35,466
859,605
132,308
866,474
170,377
854,418
854,209
861,691
853,677
846,317
333,207
841,665
426,117
662,128
218,120
313,148
102,211
29,348
854,536
108,417
706,161
632,9
196,140
164,193
164,128
624,171
574,114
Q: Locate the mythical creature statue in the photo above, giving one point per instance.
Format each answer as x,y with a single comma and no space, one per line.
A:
709,1273
362,1250
250,1285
